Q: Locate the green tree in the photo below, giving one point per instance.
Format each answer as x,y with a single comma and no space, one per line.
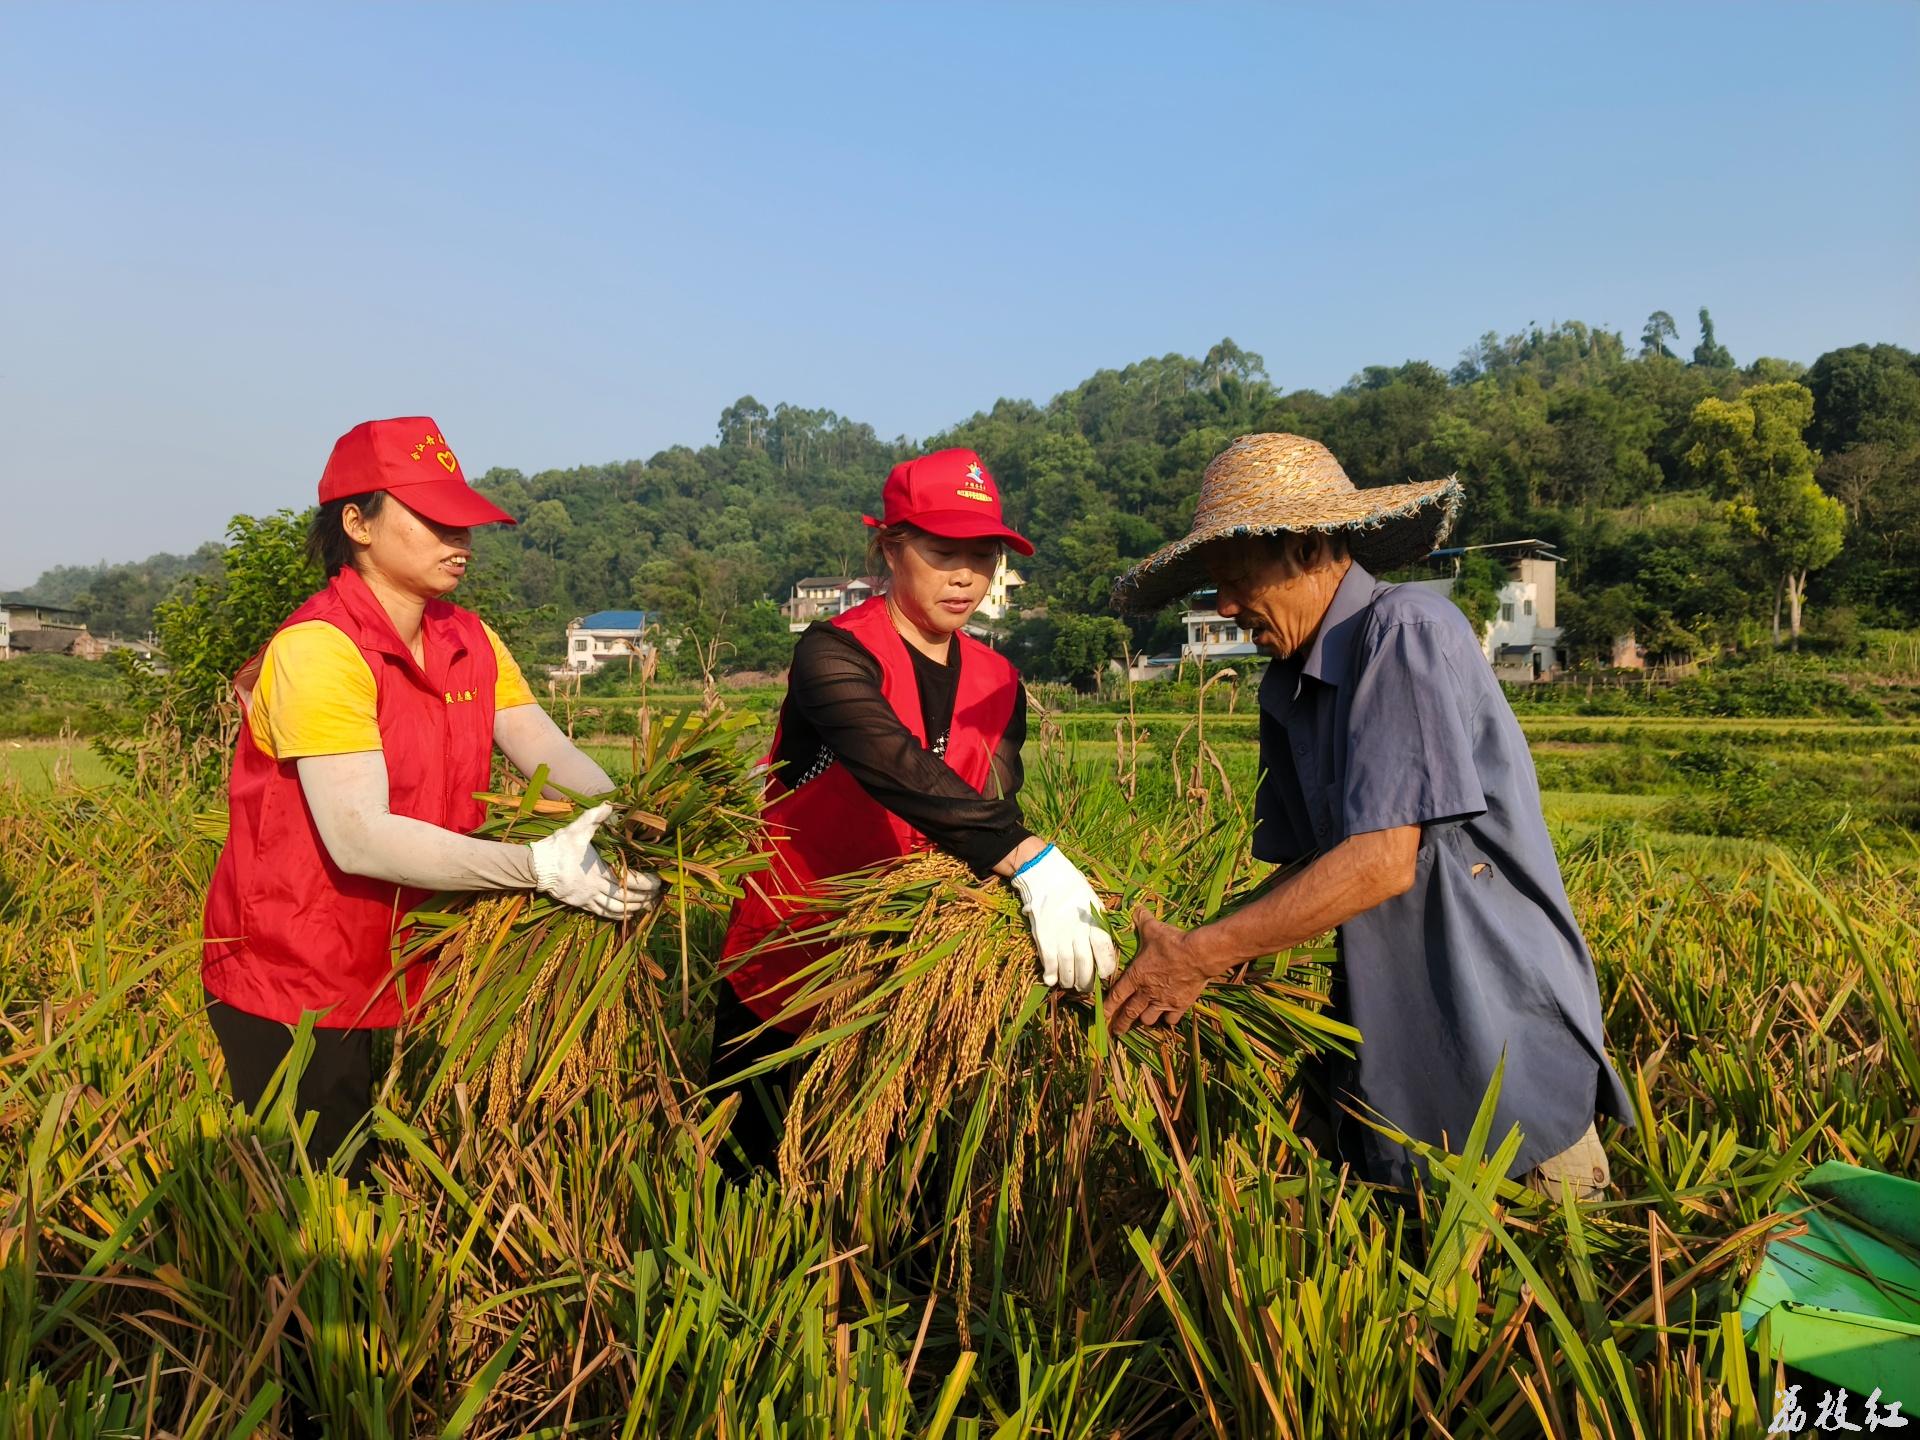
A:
1227,361
1082,646
1589,625
507,489
1654,337
217,621
1879,487
1710,354
1865,395
1754,453
759,639
1555,431
1698,573
1387,421
1772,370
547,524
1600,454
119,599
1477,579
1029,644
744,424
1060,492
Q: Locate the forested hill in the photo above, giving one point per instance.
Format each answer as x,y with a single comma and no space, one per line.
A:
119,599
1569,433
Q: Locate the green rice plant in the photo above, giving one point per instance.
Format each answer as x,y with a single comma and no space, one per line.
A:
81,1409
1300,1322
1097,1239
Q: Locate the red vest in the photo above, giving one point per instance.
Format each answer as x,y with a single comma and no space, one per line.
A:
831,825
286,929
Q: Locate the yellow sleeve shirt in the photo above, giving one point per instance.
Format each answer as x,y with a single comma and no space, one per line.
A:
316,696
511,688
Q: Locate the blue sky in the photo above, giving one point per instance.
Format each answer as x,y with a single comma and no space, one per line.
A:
573,233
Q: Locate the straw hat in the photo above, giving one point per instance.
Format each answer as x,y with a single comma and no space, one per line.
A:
1273,484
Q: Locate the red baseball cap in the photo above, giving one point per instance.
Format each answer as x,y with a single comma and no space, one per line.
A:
410,460
947,493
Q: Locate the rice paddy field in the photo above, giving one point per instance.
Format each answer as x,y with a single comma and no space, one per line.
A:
993,1219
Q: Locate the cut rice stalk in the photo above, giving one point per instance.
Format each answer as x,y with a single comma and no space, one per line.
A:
532,1002
945,1042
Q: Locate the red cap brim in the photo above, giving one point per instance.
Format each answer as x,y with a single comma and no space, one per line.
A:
450,502
962,525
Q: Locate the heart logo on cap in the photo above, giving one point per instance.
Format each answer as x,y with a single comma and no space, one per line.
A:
445,457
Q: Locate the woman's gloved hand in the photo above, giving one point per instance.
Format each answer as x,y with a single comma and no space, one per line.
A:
567,867
1065,915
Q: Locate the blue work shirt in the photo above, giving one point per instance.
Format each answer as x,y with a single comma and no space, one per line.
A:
1393,717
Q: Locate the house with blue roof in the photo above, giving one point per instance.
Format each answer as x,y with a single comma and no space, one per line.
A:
608,635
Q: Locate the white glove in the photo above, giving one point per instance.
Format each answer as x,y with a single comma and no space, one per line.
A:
567,867
1065,916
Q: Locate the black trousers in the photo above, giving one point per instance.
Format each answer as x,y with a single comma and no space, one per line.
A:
761,1119
337,1084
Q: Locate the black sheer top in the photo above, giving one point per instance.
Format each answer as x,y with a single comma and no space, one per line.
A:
836,712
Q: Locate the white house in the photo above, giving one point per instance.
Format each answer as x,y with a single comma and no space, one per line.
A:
1154,667
821,597
1523,640
815,596
606,635
1210,635
1000,590
6,634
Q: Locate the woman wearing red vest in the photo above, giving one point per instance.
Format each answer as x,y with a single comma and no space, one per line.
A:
899,732
370,721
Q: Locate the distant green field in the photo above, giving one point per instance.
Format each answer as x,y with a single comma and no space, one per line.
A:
34,764
1717,793
43,695
1793,779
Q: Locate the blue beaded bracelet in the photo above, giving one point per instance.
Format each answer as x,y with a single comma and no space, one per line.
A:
1033,862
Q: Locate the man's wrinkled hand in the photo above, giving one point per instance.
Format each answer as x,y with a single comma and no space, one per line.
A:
1167,974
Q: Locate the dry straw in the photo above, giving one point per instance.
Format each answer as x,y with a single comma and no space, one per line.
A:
1276,483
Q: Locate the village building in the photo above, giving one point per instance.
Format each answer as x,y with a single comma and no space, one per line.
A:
29,628
1210,635
1628,653
999,601
1522,641
821,597
33,629
616,636
1151,667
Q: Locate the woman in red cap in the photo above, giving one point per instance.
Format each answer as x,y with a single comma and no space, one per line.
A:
371,718
899,732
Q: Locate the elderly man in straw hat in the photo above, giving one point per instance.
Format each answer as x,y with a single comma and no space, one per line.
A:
1397,783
